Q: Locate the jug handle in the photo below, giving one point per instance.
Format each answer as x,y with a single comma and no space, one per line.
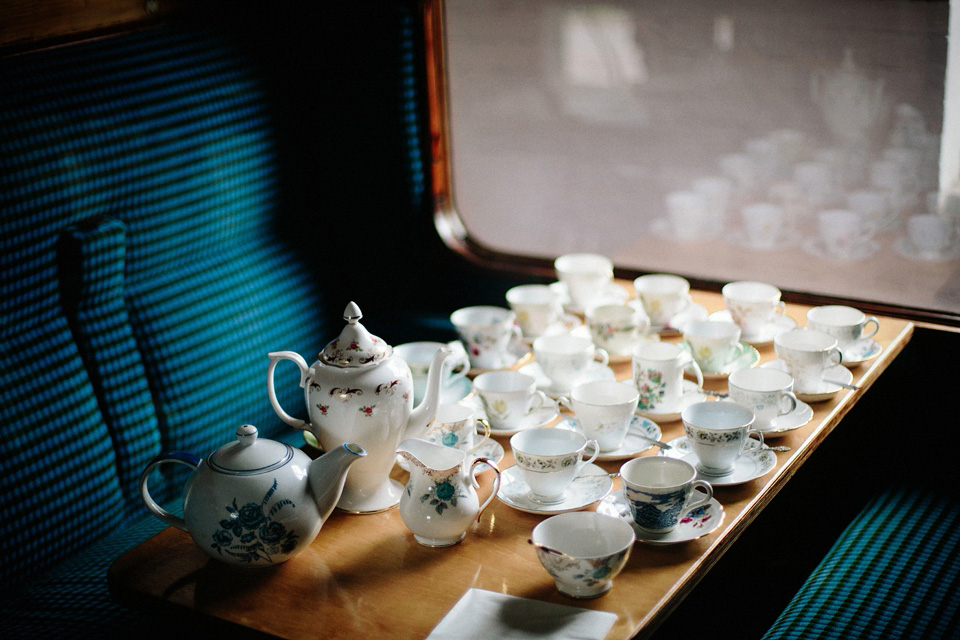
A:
496,483
186,459
276,357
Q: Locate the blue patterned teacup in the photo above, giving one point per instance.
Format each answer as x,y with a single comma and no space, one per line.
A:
660,491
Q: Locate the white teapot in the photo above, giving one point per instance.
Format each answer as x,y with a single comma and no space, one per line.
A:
359,391
255,502
852,105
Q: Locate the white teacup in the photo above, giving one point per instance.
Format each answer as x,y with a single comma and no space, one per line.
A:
658,375
456,426
550,459
752,305
537,307
689,213
419,355
872,204
717,190
718,434
714,344
765,391
930,234
488,333
585,276
661,490
806,354
616,328
846,324
564,359
844,232
604,409
663,296
762,224
508,397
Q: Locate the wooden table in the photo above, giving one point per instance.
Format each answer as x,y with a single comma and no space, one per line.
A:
366,577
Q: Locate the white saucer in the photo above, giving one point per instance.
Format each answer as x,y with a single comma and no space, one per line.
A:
662,228
595,371
752,463
639,434
784,240
518,355
566,324
767,332
824,390
693,525
690,395
748,359
861,351
589,487
816,247
907,249
612,293
801,415
691,313
489,449
534,420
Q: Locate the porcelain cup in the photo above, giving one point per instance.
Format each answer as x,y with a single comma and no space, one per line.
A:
717,191
752,305
508,397
844,232
718,434
713,344
663,296
930,234
537,307
766,392
456,426
661,490
688,213
806,354
616,328
604,410
419,355
872,204
585,276
846,324
564,359
762,224
658,369
550,459
488,333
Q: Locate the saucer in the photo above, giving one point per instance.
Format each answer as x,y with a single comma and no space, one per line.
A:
639,434
784,240
860,351
690,313
690,395
753,463
489,449
907,249
589,487
595,371
533,420
824,390
801,415
662,228
748,359
816,247
767,332
693,525
518,355
611,293
567,323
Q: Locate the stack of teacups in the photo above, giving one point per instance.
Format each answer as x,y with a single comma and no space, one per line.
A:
550,459
658,376
565,358
456,426
585,276
490,335
604,410
663,296
718,433
508,398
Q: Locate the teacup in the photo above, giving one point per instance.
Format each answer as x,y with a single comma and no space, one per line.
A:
688,213
717,191
663,296
550,459
931,234
872,204
617,327
661,490
418,356
844,232
564,359
585,276
767,392
604,409
508,397
752,305
537,307
846,324
718,433
488,333
583,551
713,344
658,375
456,426
762,224
806,354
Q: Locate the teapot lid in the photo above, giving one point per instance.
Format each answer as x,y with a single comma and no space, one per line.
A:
355,346
248,455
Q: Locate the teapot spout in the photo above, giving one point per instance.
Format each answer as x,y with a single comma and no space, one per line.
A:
328,473
424,414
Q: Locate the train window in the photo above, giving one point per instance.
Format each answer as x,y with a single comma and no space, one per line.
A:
802,143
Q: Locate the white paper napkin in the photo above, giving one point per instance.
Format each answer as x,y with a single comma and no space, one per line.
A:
481,615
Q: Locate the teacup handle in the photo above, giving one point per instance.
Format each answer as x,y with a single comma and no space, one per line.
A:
834,358
537,400
752,432
496,482
705,496
486,434
565,403
459,361
876,327
781,308
596,452
787,403
692,364
601,356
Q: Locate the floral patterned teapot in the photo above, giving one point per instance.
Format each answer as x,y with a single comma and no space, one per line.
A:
255,502
359,391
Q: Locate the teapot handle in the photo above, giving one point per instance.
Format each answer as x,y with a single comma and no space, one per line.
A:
186,459
298,360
